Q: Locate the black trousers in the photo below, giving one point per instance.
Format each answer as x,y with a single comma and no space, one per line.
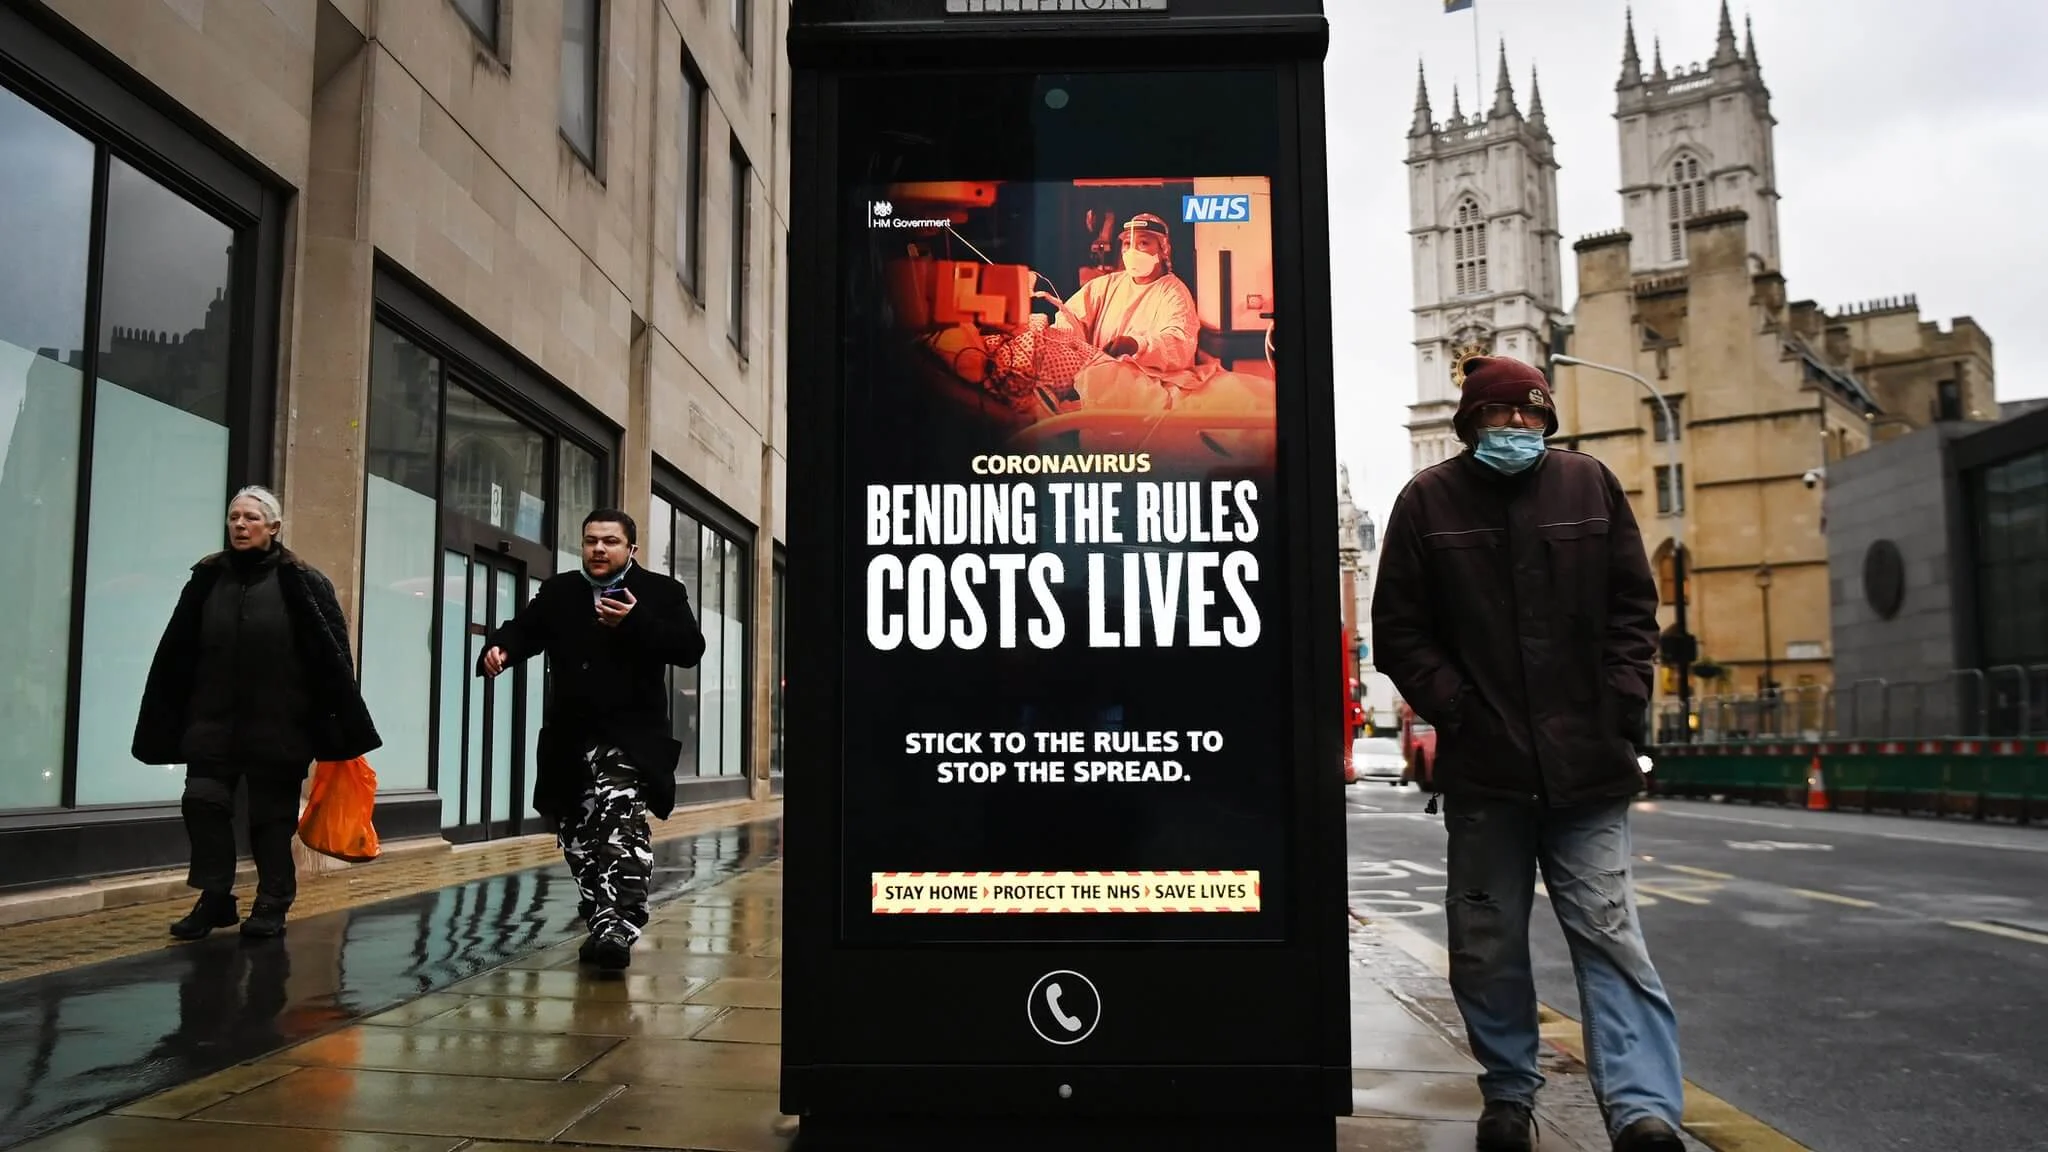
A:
209,809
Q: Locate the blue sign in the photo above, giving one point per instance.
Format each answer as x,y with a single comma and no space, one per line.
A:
1216,209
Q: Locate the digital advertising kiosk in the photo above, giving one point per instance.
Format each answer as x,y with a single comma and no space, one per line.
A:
1064,801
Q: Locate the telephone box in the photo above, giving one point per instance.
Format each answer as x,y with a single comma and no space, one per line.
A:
1064,813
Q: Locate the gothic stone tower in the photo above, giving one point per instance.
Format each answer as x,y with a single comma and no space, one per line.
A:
1483,216
1695,140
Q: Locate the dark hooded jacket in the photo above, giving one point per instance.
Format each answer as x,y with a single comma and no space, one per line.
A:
605,684
1517,614
254,670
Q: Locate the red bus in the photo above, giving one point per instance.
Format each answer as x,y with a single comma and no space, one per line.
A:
1418,747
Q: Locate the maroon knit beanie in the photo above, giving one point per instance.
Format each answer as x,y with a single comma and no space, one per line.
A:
1500,380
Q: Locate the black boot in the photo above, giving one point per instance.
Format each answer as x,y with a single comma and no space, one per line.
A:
266,919
611,950
212,910
1648,1135
1506,1126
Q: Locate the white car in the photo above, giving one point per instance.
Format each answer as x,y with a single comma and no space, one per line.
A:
1377,758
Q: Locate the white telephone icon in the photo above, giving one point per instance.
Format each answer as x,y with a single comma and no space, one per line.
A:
1052,1001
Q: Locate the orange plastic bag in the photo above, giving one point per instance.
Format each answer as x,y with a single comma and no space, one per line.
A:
337,818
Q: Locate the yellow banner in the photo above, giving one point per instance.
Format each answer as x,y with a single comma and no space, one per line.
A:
1002,893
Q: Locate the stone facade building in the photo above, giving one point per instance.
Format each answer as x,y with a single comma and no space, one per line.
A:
1483,225
1358,550
447,274
1765,391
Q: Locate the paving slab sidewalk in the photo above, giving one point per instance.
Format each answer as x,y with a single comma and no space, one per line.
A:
683,1050
43,932
1396,960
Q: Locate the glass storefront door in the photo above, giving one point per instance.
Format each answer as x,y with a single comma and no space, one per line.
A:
495,550
481,490
488,727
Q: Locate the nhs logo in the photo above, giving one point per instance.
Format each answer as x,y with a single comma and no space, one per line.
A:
1215,209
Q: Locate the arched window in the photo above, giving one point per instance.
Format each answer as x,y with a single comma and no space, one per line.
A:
1468,248
1684,199
1667,587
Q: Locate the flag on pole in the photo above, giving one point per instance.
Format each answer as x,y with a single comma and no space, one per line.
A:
1451,6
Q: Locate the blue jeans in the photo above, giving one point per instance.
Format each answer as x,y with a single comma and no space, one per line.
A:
1631,1033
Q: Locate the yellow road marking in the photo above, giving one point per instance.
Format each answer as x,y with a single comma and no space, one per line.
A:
1702,873
1658,890
2001,930
1832,898
1717,1123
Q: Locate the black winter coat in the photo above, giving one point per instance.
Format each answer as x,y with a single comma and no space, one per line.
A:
336,724
605,684
1518,615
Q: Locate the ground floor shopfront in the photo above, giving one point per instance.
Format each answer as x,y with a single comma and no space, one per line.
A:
146,320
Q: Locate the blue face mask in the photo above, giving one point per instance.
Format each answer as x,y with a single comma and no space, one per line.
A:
1509,450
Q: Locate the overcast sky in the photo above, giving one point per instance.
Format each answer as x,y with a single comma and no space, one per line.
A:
1912,148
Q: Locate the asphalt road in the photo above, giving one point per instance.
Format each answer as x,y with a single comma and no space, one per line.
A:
1857,982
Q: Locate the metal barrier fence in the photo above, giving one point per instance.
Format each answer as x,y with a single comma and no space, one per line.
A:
2006,701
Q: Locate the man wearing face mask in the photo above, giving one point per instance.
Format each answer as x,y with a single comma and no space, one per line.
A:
1516,612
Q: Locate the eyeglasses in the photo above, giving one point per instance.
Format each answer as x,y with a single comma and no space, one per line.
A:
1526,415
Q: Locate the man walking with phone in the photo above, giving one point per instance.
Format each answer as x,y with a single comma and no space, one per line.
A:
1516,612
606,759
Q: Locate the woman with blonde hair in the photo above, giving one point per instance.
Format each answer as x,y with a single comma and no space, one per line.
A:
252,682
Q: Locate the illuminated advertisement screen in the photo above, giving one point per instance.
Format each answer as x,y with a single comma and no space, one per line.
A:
1066,677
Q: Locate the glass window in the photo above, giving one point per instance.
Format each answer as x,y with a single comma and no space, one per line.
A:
708,709
496,467
482,17
455,680
688,566
1468,248
1662,431
159,460
1670,490
580,76
403,446
46,191
1685,199
776,684
743,24
742,235
690,182
2012,551
400,534
733,659
579,498
711,671
657,539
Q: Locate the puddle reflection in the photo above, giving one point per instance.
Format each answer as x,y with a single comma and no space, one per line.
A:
77,1043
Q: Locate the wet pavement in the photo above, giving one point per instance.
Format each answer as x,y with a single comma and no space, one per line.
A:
460,1020
79,1042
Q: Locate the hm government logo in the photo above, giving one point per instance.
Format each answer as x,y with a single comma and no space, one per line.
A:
882,214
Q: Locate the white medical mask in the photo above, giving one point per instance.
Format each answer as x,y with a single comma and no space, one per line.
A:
1140,263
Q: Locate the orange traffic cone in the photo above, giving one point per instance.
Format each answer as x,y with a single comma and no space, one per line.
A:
1816,788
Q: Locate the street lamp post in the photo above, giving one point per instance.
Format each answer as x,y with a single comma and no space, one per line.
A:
1675,500
1763,583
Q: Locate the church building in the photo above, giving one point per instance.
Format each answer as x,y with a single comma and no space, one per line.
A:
1690,297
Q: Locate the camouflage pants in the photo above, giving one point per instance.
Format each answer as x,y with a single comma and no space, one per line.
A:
607,844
